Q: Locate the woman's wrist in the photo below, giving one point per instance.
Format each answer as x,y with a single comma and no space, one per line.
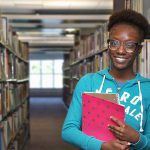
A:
135,138
103,147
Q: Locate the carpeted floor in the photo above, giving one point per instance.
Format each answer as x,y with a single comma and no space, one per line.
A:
46,119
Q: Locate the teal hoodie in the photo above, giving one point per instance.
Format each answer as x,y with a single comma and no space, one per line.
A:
134,95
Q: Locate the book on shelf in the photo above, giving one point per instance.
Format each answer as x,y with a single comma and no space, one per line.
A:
136,5
97,62
3,29
2,139
2,60
96,111
105,60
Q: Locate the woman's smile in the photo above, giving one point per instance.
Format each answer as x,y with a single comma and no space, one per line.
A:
120,59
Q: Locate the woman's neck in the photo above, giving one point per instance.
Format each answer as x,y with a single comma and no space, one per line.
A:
122,75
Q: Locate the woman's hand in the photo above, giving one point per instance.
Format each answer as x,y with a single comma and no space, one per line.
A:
123,131
115,145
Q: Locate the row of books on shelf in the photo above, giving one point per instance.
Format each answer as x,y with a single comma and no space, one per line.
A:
66,72
90,44
66,62
10,65
12,96
136,5
94,42
14,90
10,38
20,139
144,59
94,64
67,86
20,65
11,126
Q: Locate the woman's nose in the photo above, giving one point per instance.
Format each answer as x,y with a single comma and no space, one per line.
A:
121,48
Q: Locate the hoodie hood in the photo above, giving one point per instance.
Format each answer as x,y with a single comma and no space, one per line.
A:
137,78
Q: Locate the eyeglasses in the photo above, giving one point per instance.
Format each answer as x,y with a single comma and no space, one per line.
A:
129,46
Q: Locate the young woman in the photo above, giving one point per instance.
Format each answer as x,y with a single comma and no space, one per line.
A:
127,30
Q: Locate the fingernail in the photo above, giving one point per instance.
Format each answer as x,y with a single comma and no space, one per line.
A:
128,143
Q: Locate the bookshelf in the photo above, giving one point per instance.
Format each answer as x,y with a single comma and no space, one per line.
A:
14,89
66,80
89,54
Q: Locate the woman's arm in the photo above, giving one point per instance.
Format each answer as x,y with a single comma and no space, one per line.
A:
144,140
71,131
140,141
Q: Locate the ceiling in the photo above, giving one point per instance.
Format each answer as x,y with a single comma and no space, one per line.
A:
51,24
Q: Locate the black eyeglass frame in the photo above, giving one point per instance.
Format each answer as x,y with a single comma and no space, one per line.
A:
124,44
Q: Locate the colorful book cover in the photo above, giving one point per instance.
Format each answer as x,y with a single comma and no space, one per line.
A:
96,111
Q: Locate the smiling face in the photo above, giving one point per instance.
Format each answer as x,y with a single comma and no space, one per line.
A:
120,58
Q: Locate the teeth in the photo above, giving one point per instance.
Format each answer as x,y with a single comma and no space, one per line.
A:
121,60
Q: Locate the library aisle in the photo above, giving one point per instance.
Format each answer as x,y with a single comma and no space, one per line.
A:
46,119
46,46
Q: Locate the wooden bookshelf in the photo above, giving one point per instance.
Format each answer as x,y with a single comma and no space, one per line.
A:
14,89
66,80
89,54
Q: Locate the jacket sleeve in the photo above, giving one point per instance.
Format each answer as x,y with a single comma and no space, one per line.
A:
144,141
71,131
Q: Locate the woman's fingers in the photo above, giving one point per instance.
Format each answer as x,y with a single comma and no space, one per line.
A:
117,130
117,121
124,144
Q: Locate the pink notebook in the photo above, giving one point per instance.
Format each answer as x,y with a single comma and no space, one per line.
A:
96,111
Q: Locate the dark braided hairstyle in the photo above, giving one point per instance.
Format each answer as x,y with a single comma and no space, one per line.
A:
132,18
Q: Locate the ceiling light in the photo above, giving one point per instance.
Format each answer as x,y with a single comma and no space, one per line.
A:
70,29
